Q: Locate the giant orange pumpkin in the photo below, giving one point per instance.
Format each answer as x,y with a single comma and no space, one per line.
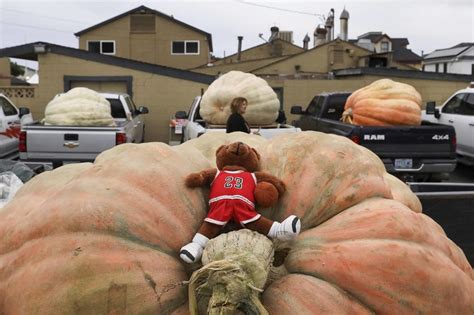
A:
384,103
103,238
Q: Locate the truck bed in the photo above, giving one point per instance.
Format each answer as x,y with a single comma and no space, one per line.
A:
37,125
47,143
451,205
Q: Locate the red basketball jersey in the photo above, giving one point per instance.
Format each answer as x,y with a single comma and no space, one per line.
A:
235,185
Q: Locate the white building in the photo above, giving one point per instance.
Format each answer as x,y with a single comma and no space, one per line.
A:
458,59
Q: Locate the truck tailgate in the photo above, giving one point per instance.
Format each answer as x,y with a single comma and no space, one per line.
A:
63,144
412,142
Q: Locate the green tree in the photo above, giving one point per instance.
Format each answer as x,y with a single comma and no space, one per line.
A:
16,70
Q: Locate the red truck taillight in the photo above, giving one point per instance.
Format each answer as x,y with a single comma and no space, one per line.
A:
120,138
355,139
22,142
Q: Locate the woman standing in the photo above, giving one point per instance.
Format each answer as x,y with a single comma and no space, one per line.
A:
236,121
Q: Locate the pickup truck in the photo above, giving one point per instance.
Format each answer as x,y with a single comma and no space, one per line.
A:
457,111
195,126
66,144
10,117
412,153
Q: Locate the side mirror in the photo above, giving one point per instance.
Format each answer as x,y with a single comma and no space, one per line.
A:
297,110
181,115
23,111
143,110
432,110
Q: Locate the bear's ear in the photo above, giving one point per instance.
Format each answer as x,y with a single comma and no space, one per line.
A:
256,153
220,148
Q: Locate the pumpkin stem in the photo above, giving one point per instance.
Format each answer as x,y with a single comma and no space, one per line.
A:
236,279
347,116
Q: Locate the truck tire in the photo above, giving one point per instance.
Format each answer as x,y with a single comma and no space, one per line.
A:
143,135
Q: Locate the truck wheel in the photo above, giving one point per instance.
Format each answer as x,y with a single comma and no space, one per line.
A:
143,135
57,164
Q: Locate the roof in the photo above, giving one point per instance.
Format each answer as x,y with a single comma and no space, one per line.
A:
399,43
416,74
27,51
344,14
447,52
147,10
257,46
310,50
464,45
370,35
405,55
375,37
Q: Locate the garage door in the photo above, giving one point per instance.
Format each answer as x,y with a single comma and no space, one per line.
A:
102,86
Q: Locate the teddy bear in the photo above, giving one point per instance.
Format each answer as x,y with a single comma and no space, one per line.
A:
236,187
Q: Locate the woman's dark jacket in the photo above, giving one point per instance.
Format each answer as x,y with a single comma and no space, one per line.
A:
237,123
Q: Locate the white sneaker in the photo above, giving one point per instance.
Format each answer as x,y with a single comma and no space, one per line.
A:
192,252
287,229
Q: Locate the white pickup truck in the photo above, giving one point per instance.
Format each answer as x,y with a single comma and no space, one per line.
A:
9,128
68,144
457,111
195,126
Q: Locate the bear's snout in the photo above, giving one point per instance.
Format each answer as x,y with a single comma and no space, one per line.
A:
238,148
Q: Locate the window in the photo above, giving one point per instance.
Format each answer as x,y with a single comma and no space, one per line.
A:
467,106
472,68
106,47
185,47
445,67
7,107
314,108
336,106
116,108
384,47
436,67
453,106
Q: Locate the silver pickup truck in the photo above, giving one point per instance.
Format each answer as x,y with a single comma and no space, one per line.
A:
69,144
195,126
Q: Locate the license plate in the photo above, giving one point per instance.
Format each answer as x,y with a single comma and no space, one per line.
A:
403,163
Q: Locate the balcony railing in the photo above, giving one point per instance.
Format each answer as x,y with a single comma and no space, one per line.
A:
18,92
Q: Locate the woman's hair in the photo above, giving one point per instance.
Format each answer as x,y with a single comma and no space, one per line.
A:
235,104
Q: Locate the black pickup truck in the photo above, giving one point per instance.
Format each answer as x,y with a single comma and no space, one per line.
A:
412,153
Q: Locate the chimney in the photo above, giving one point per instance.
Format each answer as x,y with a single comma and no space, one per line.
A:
319,36
274,33
239,48
344,19
306,40
330,25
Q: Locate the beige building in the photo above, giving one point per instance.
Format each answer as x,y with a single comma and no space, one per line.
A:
5,72
163,90
321,59
147,35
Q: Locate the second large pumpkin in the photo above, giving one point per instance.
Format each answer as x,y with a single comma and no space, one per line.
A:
384,103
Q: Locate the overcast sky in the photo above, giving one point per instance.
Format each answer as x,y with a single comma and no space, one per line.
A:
428,25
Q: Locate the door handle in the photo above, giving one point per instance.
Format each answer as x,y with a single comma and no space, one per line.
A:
451,121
